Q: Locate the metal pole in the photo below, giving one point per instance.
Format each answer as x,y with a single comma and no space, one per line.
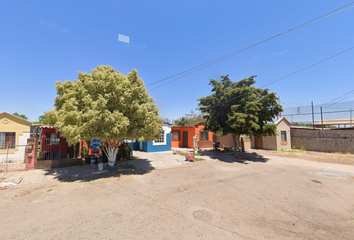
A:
313,116
322,118
279,104
7,154
351,115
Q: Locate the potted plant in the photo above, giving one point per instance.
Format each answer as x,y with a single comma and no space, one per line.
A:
85,154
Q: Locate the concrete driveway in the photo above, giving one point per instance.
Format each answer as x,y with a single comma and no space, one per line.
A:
255,197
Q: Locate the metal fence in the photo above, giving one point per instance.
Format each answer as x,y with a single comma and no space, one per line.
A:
12,157
330,113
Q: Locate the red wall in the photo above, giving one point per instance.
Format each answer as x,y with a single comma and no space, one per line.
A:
53,148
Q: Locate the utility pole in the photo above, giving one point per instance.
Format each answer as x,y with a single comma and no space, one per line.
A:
279,104
313,116
321,118
351,116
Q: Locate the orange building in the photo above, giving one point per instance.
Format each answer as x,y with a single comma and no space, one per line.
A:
183,136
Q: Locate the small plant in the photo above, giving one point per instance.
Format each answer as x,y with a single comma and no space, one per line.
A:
84,152
227,149
199,159
124,151
129,166
302,149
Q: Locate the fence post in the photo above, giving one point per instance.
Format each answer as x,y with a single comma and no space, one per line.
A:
313,116
7,154
321,118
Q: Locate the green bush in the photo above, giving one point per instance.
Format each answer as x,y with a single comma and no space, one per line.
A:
226,149
84,152
124,151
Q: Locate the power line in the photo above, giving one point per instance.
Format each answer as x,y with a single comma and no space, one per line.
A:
339,98
333,101
315,113
291,74
204,65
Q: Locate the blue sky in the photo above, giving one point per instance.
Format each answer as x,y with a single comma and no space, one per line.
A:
45,41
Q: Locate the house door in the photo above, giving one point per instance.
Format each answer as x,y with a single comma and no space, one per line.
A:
185,139
259,142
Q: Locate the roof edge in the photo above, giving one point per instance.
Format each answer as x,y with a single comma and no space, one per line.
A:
16,117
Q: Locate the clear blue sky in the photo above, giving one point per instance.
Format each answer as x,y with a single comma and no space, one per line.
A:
46,41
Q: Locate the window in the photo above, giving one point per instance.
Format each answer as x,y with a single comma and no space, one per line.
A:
175,134
283,136
204,136
162,138
52,139
7,140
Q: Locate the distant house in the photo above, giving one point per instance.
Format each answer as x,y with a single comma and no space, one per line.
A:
159,145
14,132
182,136
281,141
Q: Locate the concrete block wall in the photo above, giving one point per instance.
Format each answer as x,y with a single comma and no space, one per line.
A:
323,140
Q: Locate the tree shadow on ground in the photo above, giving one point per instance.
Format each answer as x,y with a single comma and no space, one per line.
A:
87,173
229,157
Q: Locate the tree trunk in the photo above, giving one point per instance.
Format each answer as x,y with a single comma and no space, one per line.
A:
111,150
236,140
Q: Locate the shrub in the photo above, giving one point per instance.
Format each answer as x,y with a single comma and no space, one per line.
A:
124,151
84,152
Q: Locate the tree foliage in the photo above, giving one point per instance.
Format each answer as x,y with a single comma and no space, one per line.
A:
42,119
239,108
20,115
107,105
190,119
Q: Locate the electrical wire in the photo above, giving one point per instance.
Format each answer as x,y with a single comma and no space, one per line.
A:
204,65
291,74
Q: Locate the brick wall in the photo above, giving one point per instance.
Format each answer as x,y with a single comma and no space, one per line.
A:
323,140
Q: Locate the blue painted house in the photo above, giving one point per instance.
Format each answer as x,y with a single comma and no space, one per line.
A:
158,145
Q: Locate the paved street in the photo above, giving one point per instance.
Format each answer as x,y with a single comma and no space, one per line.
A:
256,197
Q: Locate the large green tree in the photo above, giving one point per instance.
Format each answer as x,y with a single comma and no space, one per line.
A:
107,105
239,108
190,119
20,115
42,119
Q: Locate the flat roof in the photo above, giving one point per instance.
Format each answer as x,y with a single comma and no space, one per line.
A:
338,121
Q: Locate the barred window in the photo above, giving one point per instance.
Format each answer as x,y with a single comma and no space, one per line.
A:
162,138
7,140
52,139
175,134
204,136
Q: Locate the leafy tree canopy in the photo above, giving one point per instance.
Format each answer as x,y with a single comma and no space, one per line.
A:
107,105
20,115
42,119
190,119
239,108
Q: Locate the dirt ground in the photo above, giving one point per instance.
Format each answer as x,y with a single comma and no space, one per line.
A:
340,158
256,197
